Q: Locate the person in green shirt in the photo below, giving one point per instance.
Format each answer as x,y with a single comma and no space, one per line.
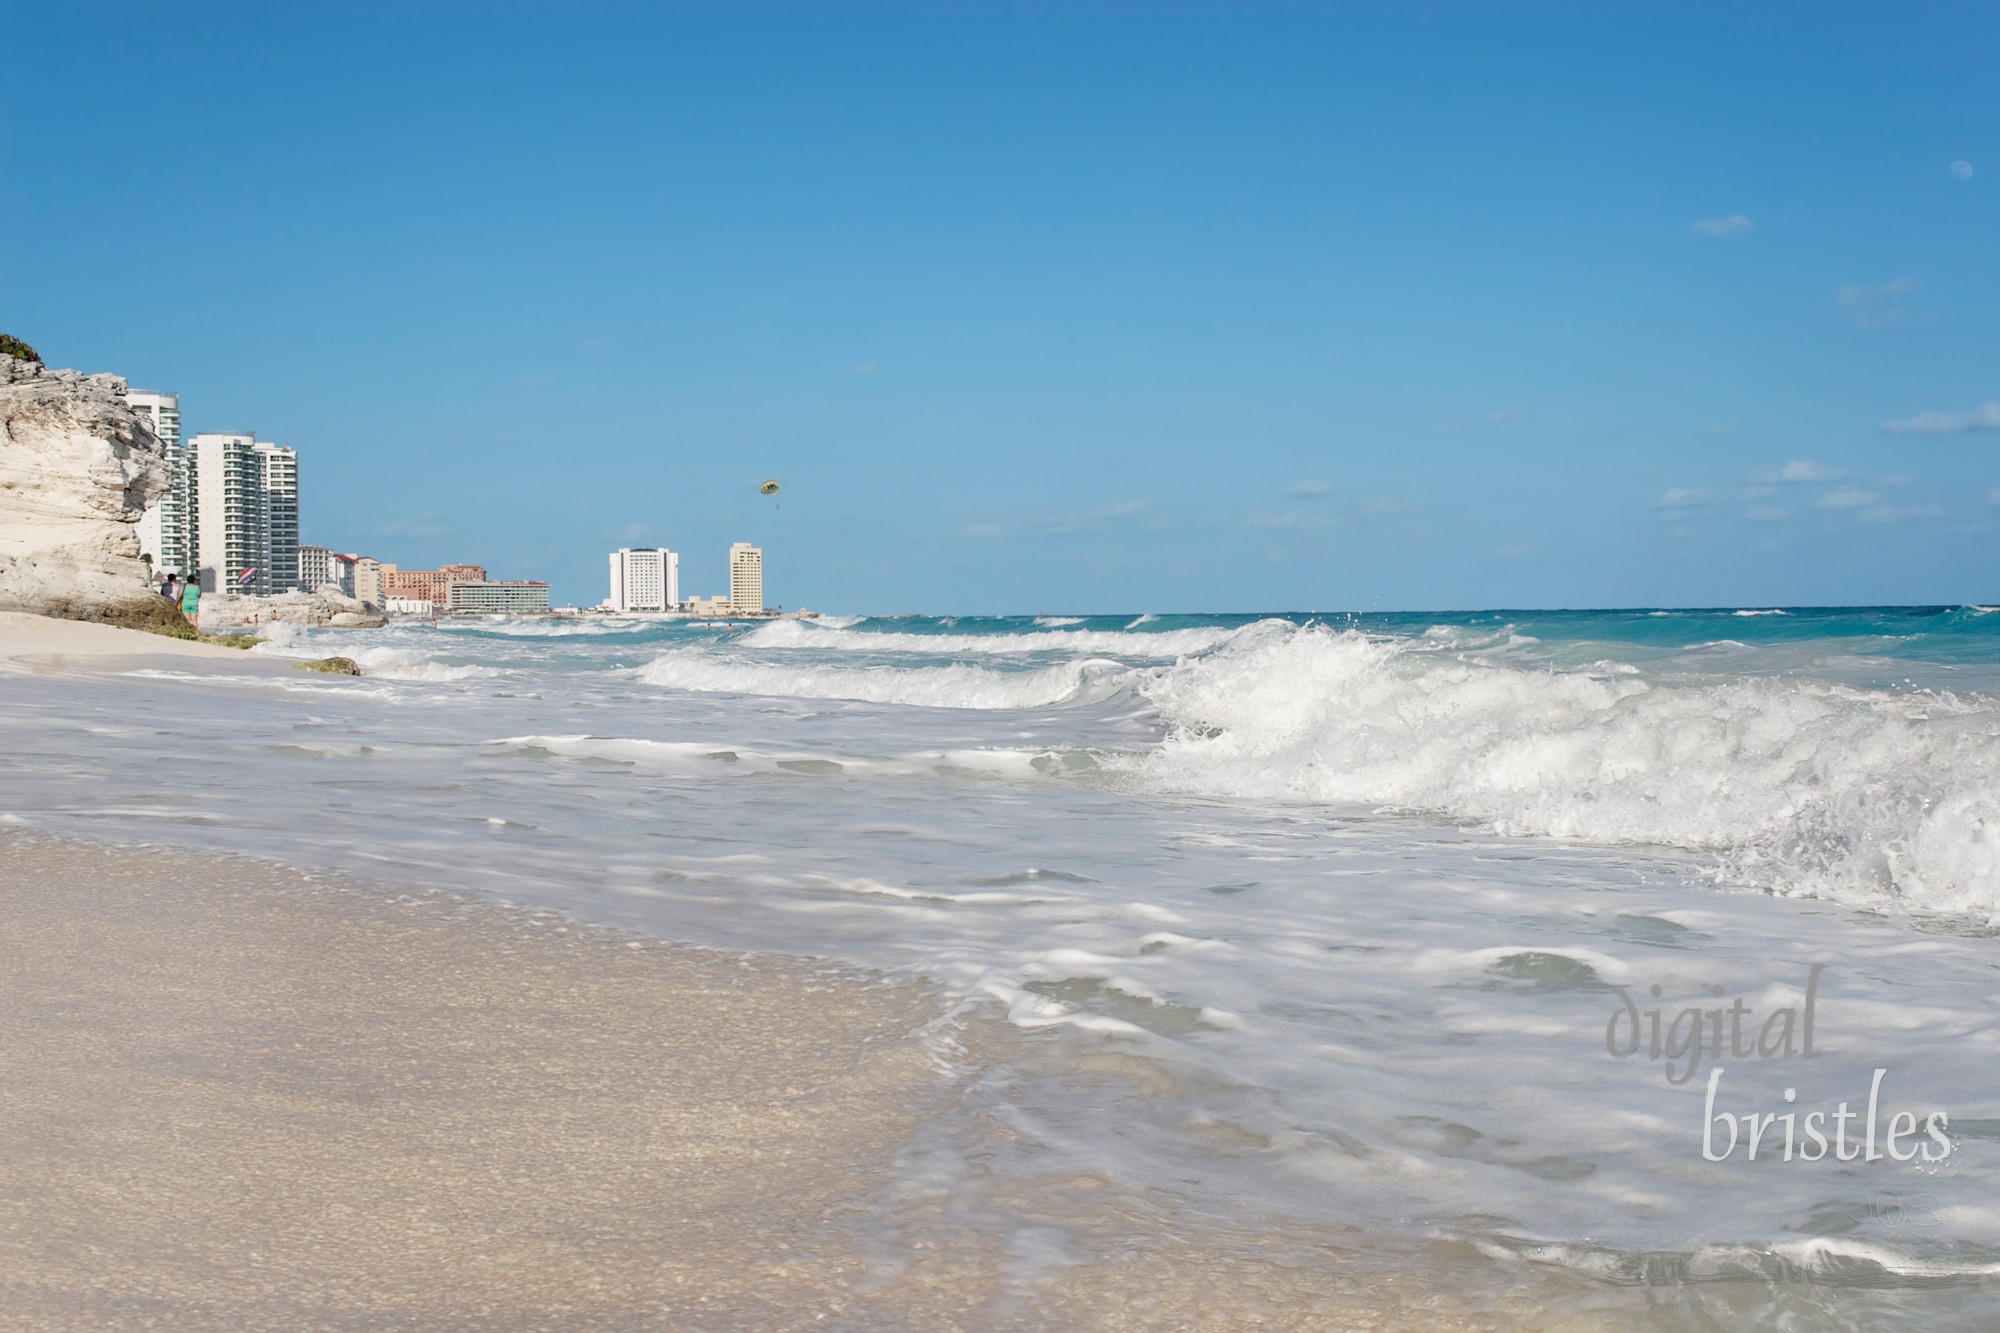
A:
191,600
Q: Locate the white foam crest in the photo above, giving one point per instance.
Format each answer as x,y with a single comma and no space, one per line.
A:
581,627
666,756
402,664
710,760
1165,644
958,685
1804,787
377,659
283,639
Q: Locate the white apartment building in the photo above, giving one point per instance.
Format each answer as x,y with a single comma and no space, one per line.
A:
166,529
644,579
323,568
246,514
498,596
316,568
281,519
746,577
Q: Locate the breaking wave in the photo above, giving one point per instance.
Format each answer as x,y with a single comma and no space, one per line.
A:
958,685
378,659
1163,644
1802,787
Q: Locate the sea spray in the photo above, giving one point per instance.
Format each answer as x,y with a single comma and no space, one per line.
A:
1799,786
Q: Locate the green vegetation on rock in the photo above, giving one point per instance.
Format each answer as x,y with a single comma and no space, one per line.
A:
20,351
332,666
155,615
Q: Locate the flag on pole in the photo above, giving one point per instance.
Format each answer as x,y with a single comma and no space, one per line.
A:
247,577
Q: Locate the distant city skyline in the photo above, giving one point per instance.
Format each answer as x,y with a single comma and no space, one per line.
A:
647,579
1234,308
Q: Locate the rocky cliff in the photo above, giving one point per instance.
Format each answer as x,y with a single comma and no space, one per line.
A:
77,468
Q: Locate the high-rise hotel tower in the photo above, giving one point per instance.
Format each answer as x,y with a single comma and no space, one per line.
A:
166,531
246,506
746,577
645,579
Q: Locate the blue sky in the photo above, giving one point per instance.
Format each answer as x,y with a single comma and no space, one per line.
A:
1057,308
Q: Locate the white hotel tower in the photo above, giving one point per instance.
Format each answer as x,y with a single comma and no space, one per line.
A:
746,577
645,579
246,503
167,530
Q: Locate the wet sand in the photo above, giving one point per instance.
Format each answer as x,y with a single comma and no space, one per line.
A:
266,1103
235,1096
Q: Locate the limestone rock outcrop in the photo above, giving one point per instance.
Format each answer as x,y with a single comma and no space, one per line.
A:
323,606
77,468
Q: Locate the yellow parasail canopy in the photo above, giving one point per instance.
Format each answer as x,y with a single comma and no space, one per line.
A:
768,488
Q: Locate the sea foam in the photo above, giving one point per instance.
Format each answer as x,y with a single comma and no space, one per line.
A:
1803,787
957,685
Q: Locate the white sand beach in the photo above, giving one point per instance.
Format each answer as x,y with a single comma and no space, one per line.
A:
30,640
235,1096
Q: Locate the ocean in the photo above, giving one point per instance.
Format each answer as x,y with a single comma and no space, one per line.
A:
1478,937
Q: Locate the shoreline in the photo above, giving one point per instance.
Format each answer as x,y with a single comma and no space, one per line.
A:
239,1095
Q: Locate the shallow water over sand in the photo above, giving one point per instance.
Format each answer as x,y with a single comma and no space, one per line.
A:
1296,931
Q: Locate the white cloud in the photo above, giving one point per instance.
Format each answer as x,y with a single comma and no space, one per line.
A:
1506,414
1874,305
1124,509
866,367
1291,518
1897,514
1847,498
1993,496
1961,169
1683,497
1766,514
1804,469
1984,417
1087,522
984,531
1733,225
1309,488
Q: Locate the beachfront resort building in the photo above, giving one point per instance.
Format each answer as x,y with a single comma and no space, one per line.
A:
362,579
316,568
746,578
498,597
355,576
166,529
409,606
428,585
281,518
245,514
644,579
